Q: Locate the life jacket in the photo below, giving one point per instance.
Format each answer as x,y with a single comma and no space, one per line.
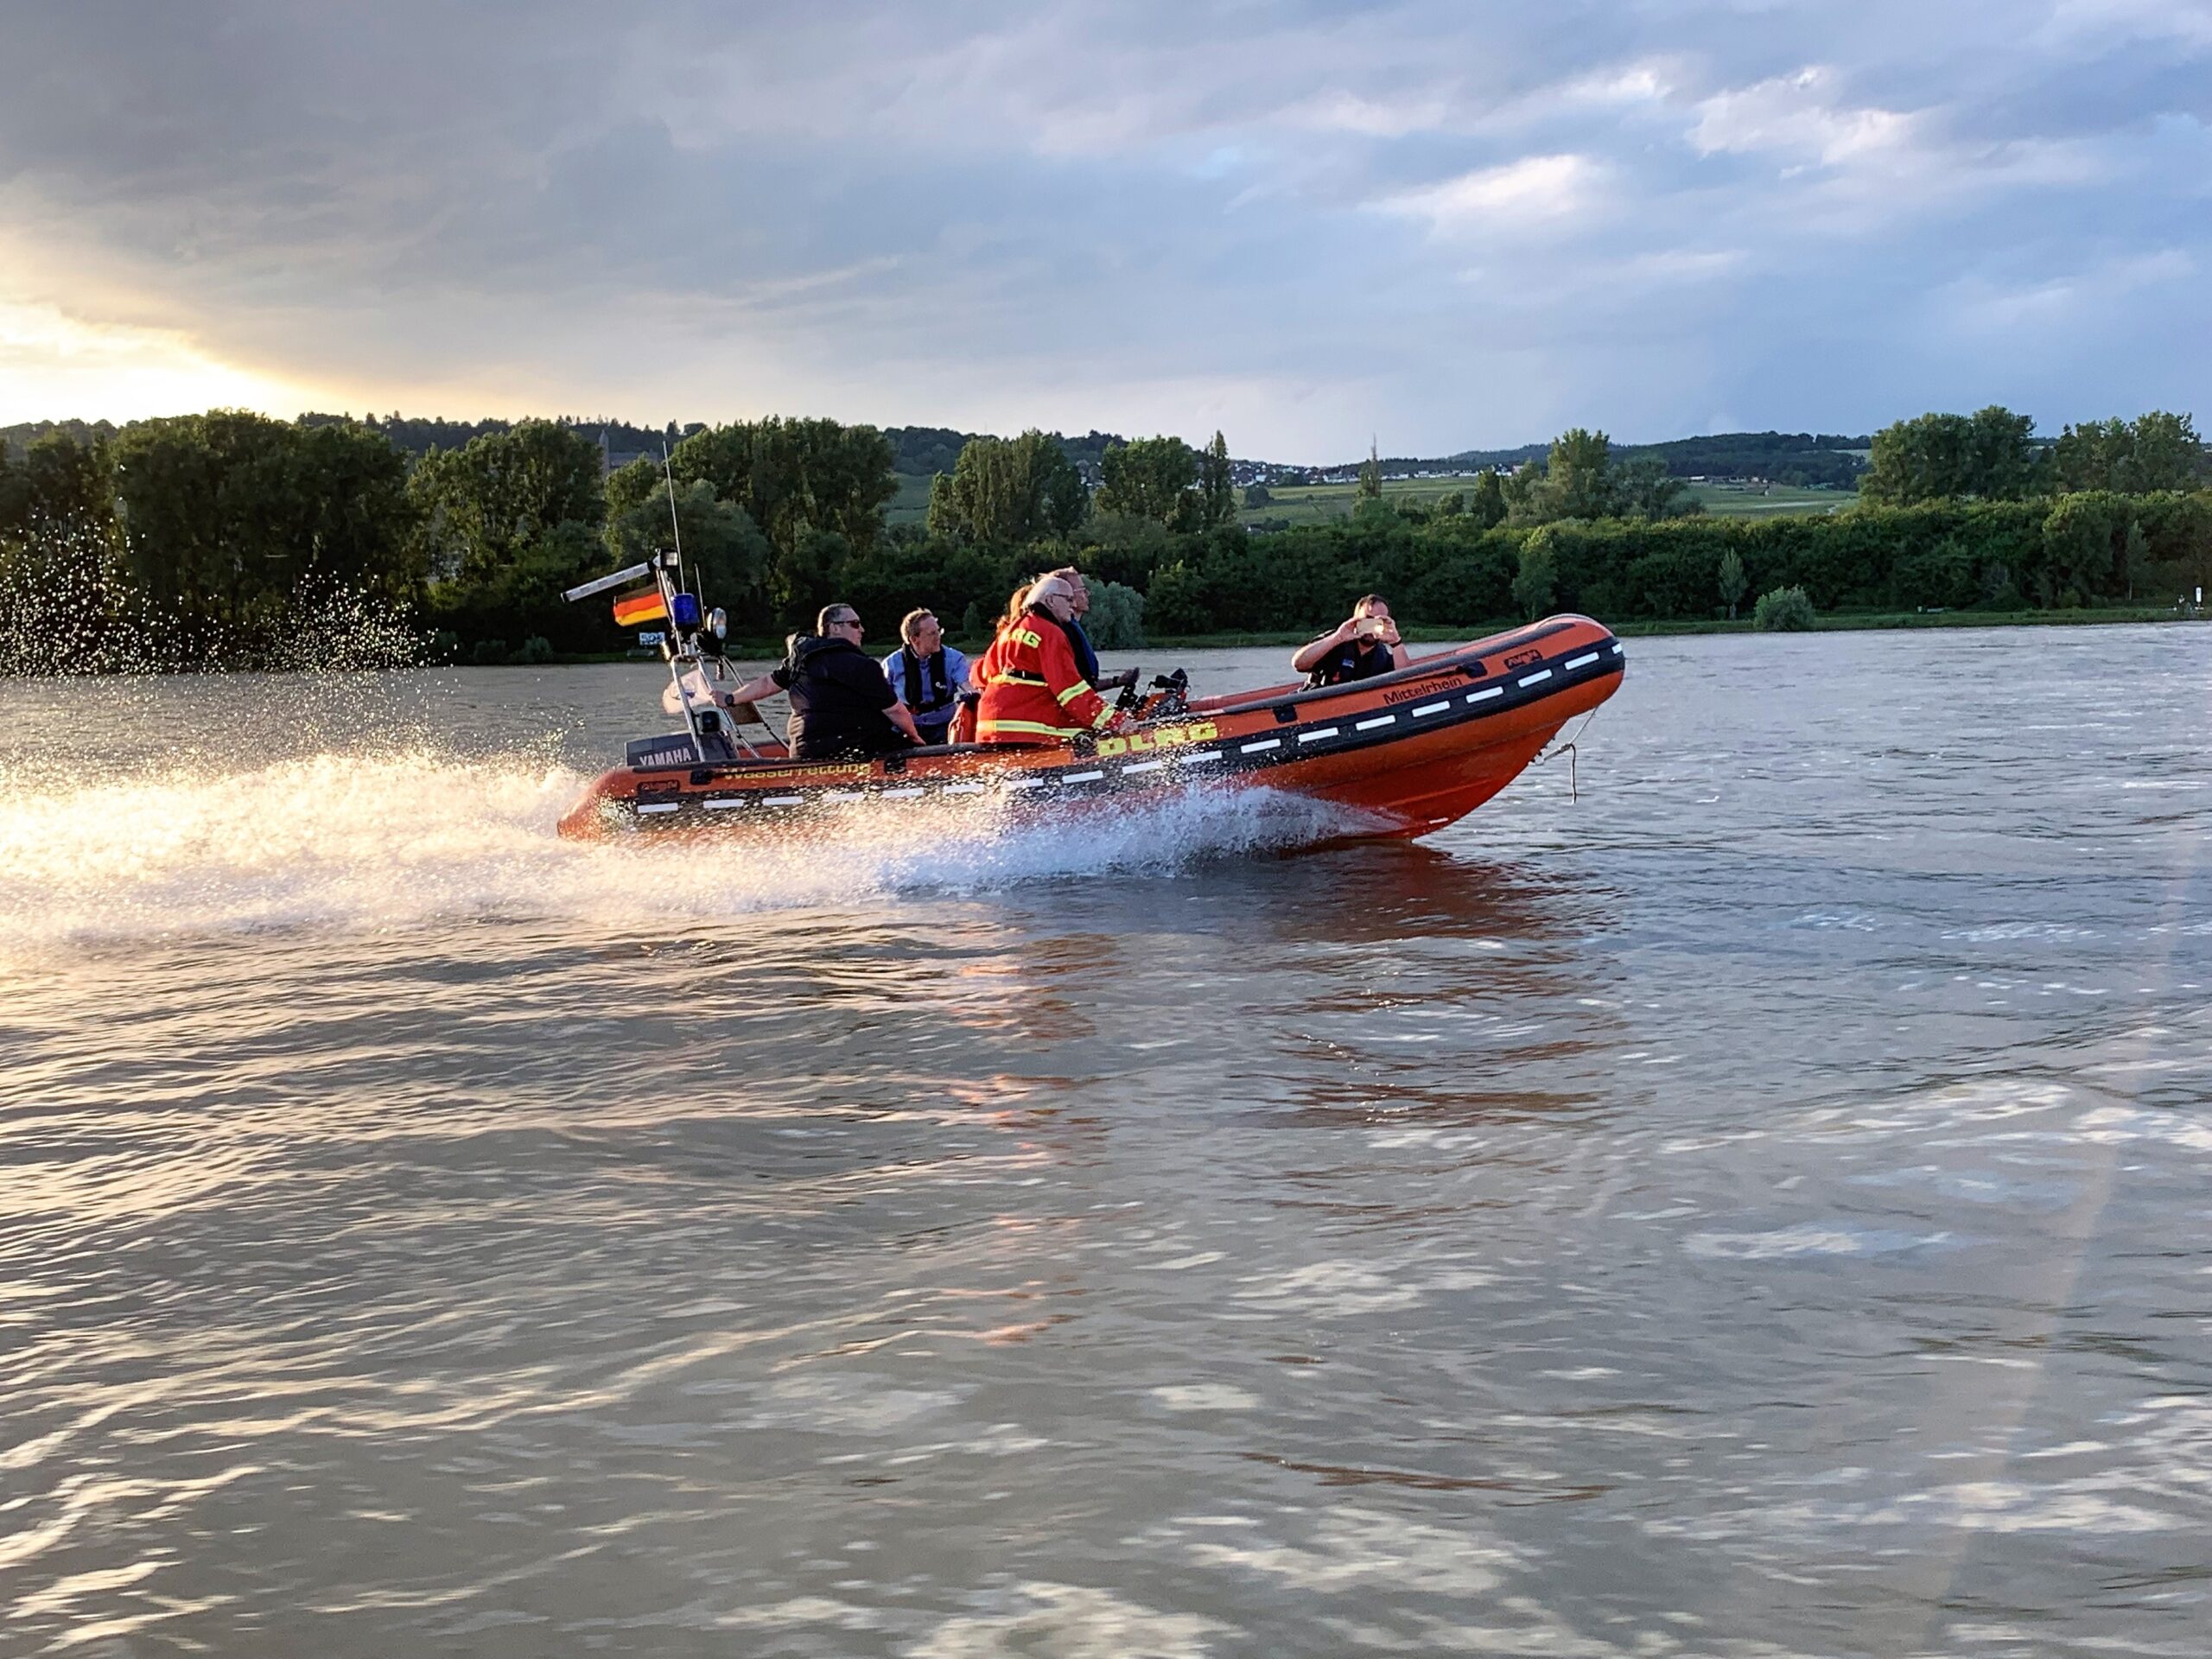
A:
1033,690
1350,661
933,678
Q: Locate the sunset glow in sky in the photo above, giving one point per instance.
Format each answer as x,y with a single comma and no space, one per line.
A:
1447,225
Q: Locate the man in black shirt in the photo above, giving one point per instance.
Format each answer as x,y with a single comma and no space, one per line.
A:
1365,644
841,706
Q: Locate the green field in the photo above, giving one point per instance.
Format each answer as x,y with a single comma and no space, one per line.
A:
1312,504
1769,499
1307,504
912,504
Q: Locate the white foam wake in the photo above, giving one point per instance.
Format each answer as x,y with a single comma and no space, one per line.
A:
391,841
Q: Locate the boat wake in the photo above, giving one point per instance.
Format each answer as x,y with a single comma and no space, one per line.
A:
381,843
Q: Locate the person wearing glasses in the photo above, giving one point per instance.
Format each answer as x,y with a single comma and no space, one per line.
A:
841,706
1033,689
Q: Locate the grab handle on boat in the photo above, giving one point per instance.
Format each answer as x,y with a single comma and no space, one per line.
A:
603,583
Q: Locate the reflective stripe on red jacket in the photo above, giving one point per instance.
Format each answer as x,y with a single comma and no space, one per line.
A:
1033,692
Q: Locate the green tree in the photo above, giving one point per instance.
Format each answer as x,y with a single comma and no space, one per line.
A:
1535,582
1175,602
2154,452
2134,558
1733,582
1644,488
1152,478
725,556
1991,457
1934,575
1930,458
15,495
944,518
1783,610
2082,534
1527,501
1370,477
2008,464
229,517
1217,484
1452,504
1488,509
360,521
497,495
68,482
2165,454
192,541
793,476
1115,621
626,487
1256,496
1578,479
1010,492
2093,455
521,595
806,576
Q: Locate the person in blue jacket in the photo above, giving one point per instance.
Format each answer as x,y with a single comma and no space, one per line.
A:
927,675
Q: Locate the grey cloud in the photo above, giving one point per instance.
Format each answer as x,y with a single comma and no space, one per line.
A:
1000,213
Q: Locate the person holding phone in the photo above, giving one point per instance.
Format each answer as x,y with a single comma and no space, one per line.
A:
1363,645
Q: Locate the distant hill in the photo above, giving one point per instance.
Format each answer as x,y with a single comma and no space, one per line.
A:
419,434
1799,458
1802,459
17,439
919,451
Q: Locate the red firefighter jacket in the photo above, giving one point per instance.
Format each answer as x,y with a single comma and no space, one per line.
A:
1033,690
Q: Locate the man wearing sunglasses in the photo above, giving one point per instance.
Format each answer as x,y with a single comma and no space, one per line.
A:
841,706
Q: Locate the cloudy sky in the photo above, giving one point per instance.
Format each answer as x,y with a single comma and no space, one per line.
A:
1443,224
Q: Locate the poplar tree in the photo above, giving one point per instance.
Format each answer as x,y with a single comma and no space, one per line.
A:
1217,483
1733,582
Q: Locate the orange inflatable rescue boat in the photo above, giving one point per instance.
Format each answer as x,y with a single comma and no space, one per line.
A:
1410,751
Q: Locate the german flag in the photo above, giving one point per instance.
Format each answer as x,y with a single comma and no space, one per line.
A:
639,608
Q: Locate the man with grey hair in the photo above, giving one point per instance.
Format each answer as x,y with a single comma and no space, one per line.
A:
1033,690
1086,655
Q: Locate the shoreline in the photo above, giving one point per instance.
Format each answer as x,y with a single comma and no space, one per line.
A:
1833,622
1845,622
1422,634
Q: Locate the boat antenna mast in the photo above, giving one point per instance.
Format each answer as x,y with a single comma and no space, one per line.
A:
675,524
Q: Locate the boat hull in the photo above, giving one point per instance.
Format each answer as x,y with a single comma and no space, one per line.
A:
1410,752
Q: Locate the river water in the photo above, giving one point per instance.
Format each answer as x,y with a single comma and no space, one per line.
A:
1758,1208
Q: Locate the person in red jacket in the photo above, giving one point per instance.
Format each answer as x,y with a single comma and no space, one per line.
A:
1033,691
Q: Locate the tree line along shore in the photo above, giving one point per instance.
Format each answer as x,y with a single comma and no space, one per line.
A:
231,539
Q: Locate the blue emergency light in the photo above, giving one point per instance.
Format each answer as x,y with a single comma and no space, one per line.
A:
684,613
